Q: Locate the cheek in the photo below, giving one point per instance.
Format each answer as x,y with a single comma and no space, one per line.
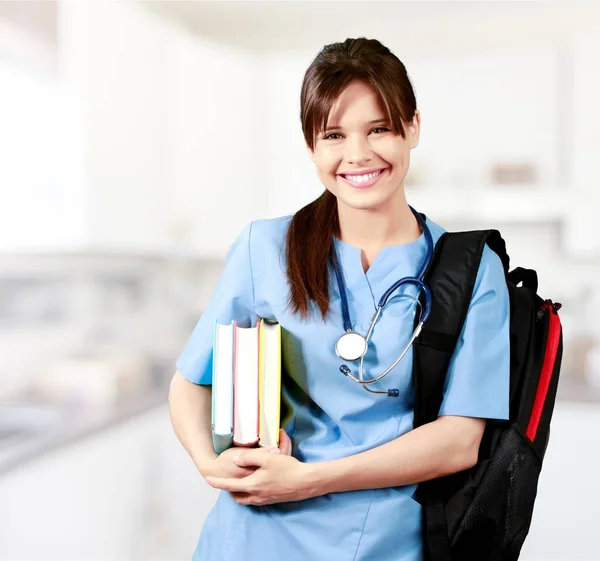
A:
327,166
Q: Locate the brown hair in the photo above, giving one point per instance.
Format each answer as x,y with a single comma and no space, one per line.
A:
309,242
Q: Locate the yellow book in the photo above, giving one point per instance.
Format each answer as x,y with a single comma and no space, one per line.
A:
269,382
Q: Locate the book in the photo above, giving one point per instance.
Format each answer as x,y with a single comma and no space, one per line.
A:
222,386
269,383
245,386
246,399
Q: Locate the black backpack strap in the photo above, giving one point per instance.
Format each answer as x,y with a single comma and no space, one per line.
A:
451,278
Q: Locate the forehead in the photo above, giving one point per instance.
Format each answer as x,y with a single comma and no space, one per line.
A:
357,103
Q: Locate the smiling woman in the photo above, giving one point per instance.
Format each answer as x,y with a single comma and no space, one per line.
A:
342,484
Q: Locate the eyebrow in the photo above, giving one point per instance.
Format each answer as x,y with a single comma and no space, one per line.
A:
382,120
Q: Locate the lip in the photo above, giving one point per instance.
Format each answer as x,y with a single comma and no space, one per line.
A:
361,172
365,184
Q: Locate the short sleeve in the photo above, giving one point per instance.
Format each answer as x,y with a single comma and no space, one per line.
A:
478,378
233,299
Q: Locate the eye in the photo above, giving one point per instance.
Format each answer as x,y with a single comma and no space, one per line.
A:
332,134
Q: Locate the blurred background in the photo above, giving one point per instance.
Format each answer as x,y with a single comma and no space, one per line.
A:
138,138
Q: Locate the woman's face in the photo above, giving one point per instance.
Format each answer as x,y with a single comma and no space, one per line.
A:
358,139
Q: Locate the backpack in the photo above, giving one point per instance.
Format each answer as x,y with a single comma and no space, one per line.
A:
484,513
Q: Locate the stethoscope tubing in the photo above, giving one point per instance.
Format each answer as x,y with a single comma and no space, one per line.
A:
423,288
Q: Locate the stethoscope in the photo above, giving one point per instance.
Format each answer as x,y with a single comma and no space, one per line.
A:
352,346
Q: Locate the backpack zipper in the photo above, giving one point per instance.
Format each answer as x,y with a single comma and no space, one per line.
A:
547,305
554,330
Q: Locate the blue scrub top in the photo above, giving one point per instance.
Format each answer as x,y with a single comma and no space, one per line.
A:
329,416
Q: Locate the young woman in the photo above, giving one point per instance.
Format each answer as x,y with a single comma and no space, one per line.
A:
341,485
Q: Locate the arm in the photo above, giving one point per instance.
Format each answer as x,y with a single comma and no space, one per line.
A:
189,409
190,394
448,445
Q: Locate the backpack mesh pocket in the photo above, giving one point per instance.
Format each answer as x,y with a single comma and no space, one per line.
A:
498,519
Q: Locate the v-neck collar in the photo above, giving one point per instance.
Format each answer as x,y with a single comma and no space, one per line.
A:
392,263
351,259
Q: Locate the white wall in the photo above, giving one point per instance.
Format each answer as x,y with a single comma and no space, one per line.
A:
118,62
169,124
41,200
217,156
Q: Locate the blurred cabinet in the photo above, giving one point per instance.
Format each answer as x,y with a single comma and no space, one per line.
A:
128,493
170,131
83,502
583,117
585,125
216,145
178,499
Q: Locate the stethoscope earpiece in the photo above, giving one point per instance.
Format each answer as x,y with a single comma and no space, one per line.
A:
352,346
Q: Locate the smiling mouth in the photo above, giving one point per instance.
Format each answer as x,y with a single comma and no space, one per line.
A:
365,180
363,177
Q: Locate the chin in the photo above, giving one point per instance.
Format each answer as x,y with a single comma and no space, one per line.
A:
366,201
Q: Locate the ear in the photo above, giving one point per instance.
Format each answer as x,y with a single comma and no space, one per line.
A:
413,130
311,154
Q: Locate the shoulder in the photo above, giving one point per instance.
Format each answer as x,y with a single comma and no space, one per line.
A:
435,229
491,271
266,240
269,230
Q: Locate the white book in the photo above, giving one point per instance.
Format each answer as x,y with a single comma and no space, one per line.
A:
222,386
245,392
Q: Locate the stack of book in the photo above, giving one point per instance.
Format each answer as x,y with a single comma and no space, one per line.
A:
246,387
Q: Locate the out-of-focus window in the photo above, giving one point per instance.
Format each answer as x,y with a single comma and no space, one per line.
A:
41,196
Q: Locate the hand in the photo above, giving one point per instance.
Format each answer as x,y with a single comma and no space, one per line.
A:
223,465
277,477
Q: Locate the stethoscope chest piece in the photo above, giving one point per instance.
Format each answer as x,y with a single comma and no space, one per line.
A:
351,346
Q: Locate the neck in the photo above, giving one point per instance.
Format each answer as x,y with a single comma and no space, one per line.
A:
370,230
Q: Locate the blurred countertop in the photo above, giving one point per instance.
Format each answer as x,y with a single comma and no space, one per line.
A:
31,427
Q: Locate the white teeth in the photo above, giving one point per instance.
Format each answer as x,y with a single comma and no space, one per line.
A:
363,178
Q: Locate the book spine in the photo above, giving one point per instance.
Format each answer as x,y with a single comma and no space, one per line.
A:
234,337
235,377
260,375
278,382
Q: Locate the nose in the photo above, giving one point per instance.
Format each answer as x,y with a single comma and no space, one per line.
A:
357,149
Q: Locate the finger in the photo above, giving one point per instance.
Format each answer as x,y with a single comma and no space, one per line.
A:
245,499
231,484
285,443
255,457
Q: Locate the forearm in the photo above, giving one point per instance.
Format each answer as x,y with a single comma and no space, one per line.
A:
445,446
189,409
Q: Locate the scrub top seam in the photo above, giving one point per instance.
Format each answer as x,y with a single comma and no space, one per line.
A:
372,292
363,528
